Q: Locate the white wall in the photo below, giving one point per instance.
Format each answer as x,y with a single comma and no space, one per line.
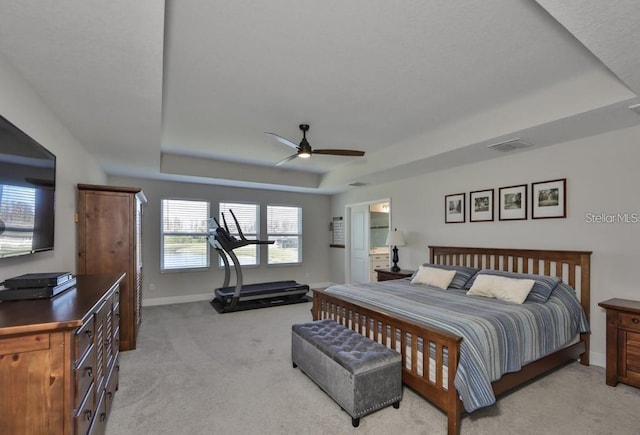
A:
171,287
21,106
601,173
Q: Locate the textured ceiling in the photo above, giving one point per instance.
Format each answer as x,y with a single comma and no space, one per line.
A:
187,93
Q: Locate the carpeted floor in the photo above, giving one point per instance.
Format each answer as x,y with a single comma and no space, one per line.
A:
199,372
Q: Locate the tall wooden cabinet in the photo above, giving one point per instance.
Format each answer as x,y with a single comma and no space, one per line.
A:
110,241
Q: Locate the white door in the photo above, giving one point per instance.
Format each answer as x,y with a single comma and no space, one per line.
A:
359,240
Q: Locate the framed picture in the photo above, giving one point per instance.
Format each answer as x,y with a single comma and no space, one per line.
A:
454,208
512,202
481,206
549,199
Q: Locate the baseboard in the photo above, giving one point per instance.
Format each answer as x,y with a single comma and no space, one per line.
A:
597,359
176,299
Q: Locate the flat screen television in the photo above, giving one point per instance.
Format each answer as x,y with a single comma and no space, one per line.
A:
27,193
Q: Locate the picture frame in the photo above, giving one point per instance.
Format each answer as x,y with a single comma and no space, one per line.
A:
481,205
549,199
512,203
454,208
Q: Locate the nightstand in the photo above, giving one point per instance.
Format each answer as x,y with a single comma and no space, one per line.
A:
386,274
623,341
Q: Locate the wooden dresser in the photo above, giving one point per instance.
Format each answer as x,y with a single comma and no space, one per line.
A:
623,341
110,241
59,359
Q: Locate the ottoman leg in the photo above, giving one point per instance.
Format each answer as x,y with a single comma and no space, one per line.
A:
295,365
355,422
397,405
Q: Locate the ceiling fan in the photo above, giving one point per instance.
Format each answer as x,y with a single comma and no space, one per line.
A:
305,150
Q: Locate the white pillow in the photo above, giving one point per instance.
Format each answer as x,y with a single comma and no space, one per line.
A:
499,287
436,277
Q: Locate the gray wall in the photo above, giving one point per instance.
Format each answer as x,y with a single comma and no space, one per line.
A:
199,285
22,106
601,173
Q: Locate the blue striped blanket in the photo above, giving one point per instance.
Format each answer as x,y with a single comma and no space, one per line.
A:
498,337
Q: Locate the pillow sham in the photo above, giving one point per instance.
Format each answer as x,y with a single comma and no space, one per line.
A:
506,289
540,292
431,276
463,273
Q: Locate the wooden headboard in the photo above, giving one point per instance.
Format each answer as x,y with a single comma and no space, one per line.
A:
574,267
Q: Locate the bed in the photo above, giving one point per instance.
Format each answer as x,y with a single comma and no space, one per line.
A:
432,354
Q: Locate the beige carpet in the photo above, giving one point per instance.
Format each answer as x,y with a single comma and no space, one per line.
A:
198,372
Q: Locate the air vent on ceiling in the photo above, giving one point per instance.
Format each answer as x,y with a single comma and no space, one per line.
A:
635,108
510,145
357,184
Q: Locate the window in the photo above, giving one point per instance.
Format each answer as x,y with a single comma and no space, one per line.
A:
184,234
248,218
284,226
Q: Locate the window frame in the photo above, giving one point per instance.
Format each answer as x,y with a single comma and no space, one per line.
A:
163,268
299,234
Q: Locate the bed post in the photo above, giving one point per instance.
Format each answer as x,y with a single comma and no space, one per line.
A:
585,300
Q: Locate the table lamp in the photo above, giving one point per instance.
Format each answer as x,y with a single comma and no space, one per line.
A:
395,239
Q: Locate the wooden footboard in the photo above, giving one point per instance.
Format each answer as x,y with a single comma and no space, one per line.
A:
430,356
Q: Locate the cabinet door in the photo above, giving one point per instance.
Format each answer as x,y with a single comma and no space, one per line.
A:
106,234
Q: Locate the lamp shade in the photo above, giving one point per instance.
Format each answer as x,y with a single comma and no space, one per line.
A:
395,238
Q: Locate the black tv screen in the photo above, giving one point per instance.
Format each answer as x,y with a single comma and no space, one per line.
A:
27,193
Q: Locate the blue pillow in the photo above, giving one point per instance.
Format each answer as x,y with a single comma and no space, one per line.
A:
541,290
463,273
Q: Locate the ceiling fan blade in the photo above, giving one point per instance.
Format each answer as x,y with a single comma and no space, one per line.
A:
283,161
353,153
282,140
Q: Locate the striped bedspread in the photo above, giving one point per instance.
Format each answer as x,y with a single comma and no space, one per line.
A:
498,337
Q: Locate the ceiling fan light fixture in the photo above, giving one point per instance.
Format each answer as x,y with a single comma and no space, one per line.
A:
304,154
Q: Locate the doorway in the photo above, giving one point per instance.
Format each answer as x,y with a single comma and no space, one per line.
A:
367,229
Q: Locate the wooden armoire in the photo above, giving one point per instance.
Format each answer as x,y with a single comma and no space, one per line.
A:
109,223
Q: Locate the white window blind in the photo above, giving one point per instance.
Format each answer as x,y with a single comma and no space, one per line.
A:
284,226
184,234
248,218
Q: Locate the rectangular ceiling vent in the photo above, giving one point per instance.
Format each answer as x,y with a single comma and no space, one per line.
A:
635,108
510,145
357,184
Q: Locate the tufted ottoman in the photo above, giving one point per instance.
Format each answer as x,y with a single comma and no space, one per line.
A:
361,375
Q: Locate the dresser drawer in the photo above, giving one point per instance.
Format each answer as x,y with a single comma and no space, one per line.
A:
629,321
84,372
84,416
84,338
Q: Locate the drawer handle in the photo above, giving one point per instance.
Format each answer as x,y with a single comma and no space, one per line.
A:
635,320
103,416
89,333
109,395
89,371
87,414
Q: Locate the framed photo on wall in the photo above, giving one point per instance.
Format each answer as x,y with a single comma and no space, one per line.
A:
512,203
454,208
481,206
549,199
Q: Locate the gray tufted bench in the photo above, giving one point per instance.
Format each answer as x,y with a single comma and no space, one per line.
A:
361,375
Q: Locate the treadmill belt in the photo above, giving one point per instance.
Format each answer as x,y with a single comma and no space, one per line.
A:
264,288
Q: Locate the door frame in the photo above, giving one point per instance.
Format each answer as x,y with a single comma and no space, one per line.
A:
347,229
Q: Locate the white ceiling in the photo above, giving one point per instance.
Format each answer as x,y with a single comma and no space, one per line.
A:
184,90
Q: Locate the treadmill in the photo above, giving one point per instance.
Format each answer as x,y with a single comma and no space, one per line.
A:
250,296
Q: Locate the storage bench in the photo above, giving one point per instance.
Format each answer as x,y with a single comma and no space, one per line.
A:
360,374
